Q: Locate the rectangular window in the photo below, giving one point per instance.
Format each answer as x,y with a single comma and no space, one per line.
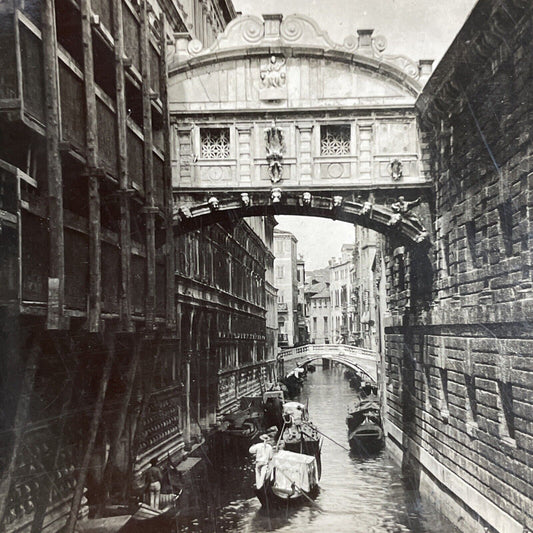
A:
335,139
505,211
325,324
470,228
214,143
507,429
314,323
471,403
444,411
280,272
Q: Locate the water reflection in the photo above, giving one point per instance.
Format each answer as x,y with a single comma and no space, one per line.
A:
358,492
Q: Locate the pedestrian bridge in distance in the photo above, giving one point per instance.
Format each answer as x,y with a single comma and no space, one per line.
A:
361,360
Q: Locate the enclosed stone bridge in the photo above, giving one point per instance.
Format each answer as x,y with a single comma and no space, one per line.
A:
361,360
277,118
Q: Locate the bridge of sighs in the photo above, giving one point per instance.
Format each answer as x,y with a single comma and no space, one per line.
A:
275,117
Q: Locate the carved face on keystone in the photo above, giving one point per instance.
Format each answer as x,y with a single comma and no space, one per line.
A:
306,198
213,203
276,195
337,201
245,199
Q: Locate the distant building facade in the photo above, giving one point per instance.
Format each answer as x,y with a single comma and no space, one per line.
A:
286,281
340,289
303,332
318,299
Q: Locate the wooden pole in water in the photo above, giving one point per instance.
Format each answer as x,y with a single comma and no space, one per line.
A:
93,431
19,424
51,467
121,417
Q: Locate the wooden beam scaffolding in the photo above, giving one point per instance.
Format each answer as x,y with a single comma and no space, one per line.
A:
150,209
95,250
167,180
109,343
124,179
19,423
56,274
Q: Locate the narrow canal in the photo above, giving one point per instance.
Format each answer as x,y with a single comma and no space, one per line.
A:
357,494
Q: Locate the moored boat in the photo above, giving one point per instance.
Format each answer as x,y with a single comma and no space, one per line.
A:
288,465
291,477
299,434
365,430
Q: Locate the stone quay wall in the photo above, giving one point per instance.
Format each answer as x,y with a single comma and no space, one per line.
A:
460,349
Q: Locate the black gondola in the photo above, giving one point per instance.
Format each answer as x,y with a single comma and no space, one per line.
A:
365,430
288,469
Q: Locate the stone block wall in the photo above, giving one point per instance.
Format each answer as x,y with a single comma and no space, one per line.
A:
460,359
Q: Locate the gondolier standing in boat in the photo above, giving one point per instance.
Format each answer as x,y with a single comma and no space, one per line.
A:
263,454
153,479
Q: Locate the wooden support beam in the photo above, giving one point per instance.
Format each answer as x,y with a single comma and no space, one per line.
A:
121,417
109,343
19,423
149,368
124,179
43,499
95,249
56,272
148,168
167,180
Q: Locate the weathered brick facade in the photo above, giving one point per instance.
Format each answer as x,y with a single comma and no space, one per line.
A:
460,356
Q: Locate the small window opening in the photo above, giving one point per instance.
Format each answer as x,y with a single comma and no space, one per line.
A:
507,427
214,143
506,224
335,139
401,273
444,411
470,227
471,401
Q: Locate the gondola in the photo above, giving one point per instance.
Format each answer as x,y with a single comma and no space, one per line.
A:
365,429
288,464
291,478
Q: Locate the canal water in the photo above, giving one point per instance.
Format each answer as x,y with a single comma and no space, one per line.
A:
357,494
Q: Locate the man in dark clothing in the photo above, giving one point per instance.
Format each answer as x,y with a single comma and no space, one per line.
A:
153,479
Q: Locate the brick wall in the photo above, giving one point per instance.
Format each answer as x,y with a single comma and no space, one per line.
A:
460,362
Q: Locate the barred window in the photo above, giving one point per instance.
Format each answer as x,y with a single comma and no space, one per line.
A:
335,139
214,143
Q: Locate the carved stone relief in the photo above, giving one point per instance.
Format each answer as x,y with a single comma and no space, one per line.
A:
273,79
275,149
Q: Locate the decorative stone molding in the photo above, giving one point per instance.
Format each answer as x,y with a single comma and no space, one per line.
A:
374,216
296,30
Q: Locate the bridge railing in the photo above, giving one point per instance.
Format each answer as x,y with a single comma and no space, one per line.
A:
327,349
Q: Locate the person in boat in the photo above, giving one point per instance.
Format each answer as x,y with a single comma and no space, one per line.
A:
153,479
263,452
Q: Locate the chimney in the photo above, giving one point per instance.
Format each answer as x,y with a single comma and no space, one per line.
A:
365,39
425,68
272,25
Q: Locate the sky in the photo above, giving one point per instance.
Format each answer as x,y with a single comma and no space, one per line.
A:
419,29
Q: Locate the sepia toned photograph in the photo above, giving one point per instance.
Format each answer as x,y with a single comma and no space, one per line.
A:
266,266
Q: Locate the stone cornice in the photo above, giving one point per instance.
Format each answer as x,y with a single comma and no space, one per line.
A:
293,36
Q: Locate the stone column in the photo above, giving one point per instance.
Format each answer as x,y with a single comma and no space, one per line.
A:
244,156
305,155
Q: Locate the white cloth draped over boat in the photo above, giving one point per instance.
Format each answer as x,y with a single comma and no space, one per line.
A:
289,467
